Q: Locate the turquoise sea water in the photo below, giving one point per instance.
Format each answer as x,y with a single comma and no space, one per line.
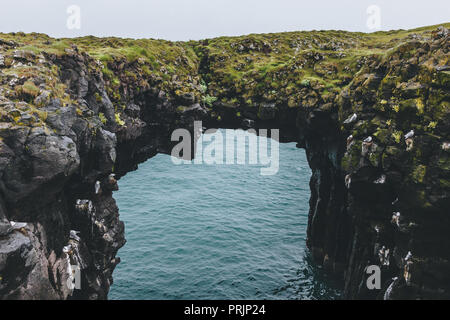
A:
217,232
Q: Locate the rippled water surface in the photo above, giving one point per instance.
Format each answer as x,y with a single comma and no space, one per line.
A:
217,232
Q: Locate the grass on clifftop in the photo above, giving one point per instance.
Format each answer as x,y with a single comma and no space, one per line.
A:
290,68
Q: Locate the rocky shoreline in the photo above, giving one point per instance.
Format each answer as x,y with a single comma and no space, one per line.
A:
372,112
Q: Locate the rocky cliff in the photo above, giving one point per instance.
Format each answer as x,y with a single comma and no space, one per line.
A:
371,110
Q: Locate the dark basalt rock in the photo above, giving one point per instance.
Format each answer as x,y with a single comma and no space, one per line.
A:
55,173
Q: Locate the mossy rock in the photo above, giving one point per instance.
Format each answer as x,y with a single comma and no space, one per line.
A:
418,174
443,79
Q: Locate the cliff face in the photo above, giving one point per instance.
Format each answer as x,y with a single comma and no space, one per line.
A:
372,112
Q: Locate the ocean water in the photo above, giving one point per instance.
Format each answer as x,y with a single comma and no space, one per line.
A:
198,231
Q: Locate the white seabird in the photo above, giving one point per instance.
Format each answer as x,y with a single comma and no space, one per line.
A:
445,146
349,140
84,205
18,225
380,180
386,257
408,256
396,218
348,181
381,254
409,135
101,227
97,187
351,119
67,248
80,204
74,235
112,178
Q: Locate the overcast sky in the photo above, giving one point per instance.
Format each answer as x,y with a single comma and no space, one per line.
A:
199,19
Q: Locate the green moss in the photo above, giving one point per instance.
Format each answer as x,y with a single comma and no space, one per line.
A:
28,91
432,125
382,135
209,100
102,117
397,135
32,49
98,97
420,106
115,81
119,121
146,70
418,174
108,74
305,83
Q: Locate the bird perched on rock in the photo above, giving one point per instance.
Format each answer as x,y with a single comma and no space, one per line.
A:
408,256
74,235
111,183
81,204
407,268
84,205
383,255
409,140
445,146
409,135
247,123
396,218
351,119
386,257
101,226
67,249
112,179
380,180
349,140
19,226
348,181
366,146
98,189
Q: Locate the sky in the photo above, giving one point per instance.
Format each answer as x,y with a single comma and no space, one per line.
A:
200,19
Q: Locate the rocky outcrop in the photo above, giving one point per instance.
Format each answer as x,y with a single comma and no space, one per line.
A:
375,126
